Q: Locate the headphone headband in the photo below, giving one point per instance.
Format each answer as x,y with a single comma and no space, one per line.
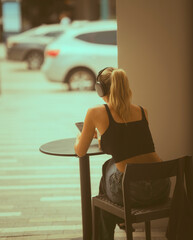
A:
100,72
100,86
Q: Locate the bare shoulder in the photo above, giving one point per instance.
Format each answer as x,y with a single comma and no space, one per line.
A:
96,111
137,108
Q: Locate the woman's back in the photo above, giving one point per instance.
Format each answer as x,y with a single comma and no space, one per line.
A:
103,119
127,141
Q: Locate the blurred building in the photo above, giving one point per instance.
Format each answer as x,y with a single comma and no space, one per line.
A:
33,13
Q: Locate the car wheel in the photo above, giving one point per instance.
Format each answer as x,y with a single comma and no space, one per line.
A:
81,79
34,60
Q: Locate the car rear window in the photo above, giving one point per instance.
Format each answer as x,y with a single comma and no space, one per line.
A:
104,37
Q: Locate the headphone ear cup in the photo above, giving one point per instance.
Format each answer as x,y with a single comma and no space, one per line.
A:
100,89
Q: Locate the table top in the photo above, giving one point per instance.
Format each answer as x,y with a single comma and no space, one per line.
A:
65,147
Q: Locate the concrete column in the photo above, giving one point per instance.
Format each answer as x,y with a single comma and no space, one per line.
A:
155,49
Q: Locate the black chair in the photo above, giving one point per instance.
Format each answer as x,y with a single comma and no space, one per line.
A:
136,172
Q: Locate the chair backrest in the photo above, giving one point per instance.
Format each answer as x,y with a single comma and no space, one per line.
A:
153,171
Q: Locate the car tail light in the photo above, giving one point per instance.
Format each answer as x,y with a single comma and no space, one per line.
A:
52,53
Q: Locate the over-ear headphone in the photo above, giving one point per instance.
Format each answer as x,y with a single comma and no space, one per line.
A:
100,86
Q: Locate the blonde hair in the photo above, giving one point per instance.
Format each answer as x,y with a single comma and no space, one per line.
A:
119,92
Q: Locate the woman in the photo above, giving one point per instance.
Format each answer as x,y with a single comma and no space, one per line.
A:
125,134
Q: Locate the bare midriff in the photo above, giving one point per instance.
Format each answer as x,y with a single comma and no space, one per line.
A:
145,158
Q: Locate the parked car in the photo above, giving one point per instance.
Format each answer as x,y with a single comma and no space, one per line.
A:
76,56
29,46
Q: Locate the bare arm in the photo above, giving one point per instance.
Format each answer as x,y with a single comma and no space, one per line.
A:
84,139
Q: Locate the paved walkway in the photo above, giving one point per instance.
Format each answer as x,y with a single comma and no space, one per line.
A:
40,194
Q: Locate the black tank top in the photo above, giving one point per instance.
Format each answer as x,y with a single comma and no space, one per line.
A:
126,140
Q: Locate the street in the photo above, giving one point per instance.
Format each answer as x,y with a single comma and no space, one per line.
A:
40,194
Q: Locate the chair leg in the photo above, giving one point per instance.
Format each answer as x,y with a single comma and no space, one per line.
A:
129,231
148,230
95,221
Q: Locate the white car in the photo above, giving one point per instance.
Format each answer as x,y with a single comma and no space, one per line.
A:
78,55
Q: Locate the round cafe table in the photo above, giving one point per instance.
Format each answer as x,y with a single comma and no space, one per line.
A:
65,148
